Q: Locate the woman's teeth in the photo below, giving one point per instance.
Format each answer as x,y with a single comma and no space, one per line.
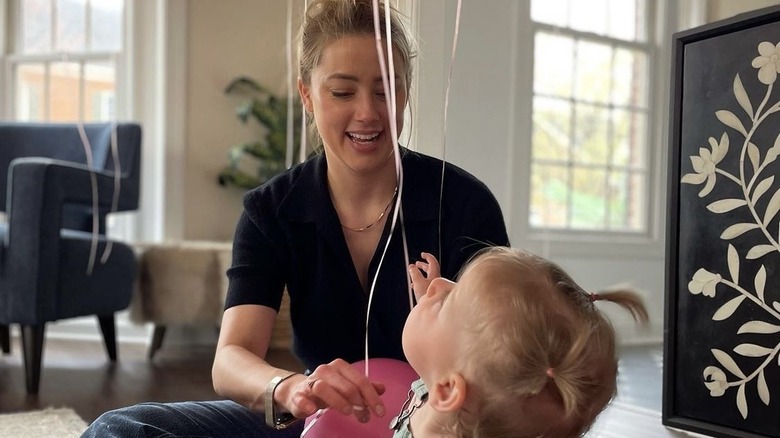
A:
362,138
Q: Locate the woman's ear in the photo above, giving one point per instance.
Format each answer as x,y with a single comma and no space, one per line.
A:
448,394
305,92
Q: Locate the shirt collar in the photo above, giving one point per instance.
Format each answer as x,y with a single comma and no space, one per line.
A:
309,198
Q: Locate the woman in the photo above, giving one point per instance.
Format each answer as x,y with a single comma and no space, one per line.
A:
320,229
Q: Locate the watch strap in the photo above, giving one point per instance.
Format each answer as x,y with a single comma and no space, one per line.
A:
272,419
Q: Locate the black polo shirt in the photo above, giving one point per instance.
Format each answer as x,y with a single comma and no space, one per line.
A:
289,233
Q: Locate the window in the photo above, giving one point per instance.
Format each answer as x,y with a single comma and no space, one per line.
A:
64,59
589,157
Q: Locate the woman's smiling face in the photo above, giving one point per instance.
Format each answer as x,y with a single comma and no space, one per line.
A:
348,101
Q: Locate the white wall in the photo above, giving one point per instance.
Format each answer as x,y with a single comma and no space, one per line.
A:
719,9
226,39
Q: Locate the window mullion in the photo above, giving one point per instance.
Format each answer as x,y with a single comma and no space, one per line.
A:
54,27
82,91
88,26
47,91
573,126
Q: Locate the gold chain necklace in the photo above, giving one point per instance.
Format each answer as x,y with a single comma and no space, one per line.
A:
367,227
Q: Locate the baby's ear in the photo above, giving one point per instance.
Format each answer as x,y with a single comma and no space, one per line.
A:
448,393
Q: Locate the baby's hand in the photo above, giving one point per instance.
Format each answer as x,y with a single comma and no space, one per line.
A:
431,269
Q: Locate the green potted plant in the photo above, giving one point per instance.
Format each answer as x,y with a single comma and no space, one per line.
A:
270,151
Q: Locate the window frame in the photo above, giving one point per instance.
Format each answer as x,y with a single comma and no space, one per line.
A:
661,21
13,58
573,102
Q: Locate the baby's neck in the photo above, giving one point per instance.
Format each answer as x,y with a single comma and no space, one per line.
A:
427,422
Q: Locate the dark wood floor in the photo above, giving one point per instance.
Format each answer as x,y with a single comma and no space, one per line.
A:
77,374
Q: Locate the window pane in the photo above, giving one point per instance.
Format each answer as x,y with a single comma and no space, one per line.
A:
71,25
629,75
552,122
591,134
64,89
589,16
627,191
36,26
553,64
629,139
594,64
549,196
555,12
589,198
626,20
106,25
30,98
99,91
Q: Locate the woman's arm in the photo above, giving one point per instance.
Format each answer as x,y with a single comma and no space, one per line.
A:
240,371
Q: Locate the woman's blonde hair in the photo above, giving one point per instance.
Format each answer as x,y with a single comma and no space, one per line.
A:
539,357
326,21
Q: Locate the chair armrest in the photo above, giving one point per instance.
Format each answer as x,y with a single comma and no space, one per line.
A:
69,183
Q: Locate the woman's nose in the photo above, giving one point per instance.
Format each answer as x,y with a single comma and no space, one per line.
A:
368,108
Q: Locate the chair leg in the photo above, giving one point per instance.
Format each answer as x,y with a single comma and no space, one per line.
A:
5,339
108,328
32,350
157,339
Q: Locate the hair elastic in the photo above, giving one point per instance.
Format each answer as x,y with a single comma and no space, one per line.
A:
594,297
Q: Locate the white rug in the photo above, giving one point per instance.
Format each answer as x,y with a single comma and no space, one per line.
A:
49,422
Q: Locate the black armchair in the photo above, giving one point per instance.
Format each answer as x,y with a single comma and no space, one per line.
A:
46,192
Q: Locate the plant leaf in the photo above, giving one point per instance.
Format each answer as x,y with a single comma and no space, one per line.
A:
728,362
752,350
733,259
760,327
759,251
742,97
760,282
755,155
763,389
728,309
737,230
726,205
729,119
761,188
742,402
772,208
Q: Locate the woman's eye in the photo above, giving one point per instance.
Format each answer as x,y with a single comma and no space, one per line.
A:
341,94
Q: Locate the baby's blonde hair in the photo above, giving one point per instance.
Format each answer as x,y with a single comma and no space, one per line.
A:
538,356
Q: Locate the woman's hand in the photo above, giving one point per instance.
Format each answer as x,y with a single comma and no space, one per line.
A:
336,385
431,269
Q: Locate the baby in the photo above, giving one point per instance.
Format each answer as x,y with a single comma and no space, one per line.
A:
515,348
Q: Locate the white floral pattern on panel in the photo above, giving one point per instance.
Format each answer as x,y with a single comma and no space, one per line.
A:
753,188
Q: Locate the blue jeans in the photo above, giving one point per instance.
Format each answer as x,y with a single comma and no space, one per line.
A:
221,418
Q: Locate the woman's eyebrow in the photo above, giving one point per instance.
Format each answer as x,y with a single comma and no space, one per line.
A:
353,78
342,76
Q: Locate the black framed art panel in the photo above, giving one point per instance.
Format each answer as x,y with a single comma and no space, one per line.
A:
722,327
